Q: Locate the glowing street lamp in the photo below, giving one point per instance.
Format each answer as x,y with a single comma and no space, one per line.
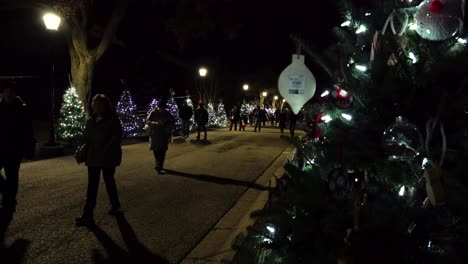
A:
51,21
245,87
276,97
264,94
203,72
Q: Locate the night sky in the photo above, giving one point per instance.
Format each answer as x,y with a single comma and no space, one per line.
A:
248,41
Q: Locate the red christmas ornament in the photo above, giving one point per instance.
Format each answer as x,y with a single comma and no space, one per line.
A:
436,6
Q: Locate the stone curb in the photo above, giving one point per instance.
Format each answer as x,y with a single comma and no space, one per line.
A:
217,245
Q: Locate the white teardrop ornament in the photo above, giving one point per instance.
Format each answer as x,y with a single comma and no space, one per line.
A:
297,84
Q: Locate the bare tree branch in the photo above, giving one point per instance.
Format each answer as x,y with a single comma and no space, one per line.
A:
111,28
84,16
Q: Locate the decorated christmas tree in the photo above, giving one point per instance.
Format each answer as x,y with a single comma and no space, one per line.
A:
127,113
221,115
380,176
212,118
72,118
174,110
153,104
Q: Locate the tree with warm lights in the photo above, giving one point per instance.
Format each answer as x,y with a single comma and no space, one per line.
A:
221,116
72,120
380,176
127,113
174,110
212,119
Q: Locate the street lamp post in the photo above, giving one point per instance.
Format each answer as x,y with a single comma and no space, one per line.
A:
274,101
262,98
52,23
203,72
246,89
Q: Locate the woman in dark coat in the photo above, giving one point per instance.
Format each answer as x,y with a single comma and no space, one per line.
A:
102,137
160,122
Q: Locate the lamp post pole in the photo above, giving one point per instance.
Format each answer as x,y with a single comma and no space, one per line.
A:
52,23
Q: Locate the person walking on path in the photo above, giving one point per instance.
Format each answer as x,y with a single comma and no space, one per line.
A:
283,118
261,117
201,118
234,116
16,135
160,123
185,114
102,138
292,123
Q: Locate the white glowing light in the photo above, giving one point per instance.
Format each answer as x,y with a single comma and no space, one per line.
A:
271,229
367,14
203,72
246,87
402,191
276,97
347,116
51,21
284,100
343,93
412,57
325,94
326,118
462,40
346,24
361,29
361,68
413,26
424,163
267,240
356,179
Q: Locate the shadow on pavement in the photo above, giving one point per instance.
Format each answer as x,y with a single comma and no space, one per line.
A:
218,180
15,253
179,140
200,142
137,252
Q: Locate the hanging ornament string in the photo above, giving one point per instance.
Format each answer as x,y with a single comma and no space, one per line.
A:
391,21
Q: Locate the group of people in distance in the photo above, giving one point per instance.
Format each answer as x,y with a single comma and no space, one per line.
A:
281,117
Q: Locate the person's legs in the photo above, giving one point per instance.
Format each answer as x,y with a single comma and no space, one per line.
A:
204,130
93,184
159,156
11,167
199,127
109,180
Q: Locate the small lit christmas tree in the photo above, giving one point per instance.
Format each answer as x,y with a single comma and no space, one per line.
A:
153,104
212,119
127,112
72,118
221,115
174,110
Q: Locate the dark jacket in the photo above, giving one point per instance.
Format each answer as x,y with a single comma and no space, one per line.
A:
261,115
185,112
160,133
201,116
103,139
16,133
234,115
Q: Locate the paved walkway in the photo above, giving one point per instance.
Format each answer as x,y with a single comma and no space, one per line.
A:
165,215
